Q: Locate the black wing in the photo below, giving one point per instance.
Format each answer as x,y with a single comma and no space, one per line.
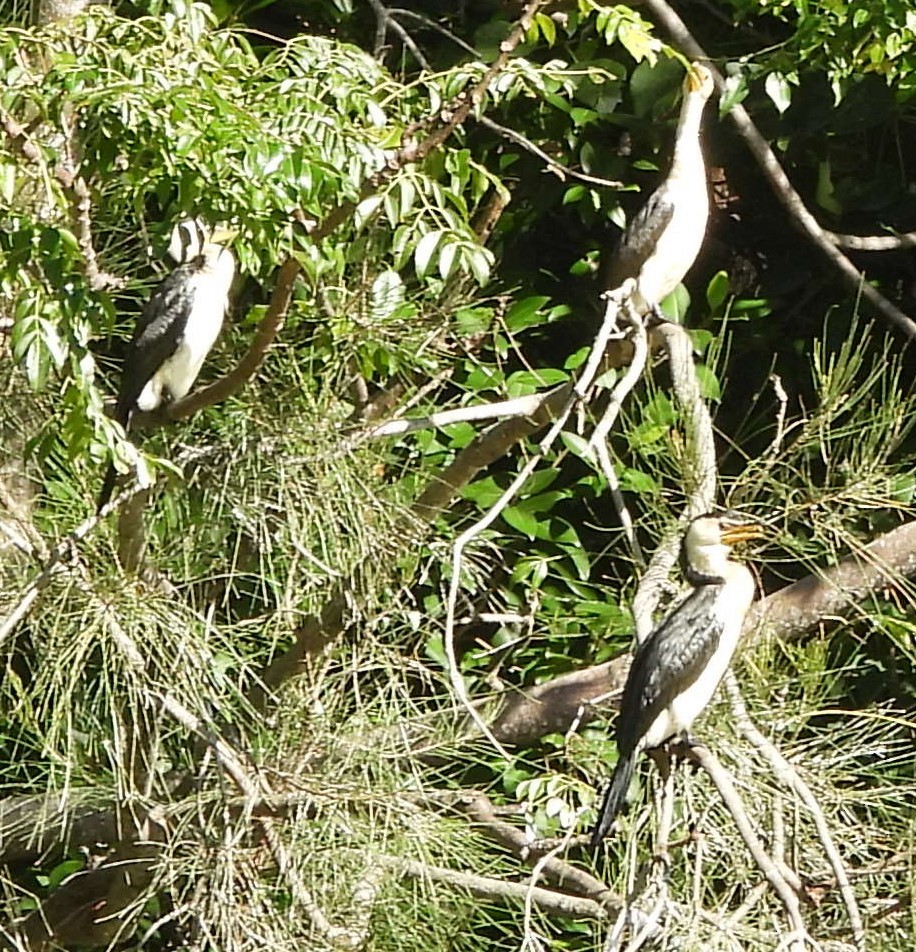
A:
673,655
640,238
156,337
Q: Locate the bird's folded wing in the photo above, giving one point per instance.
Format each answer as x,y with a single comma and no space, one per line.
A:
156,337
670,659
640,238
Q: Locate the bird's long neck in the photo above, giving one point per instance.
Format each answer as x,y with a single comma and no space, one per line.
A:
687,153
707,565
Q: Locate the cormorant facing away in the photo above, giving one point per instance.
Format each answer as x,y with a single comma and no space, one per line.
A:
677,669
661,243
177,328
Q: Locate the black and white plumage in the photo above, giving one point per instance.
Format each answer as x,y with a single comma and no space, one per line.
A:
662,241
177,329
677,669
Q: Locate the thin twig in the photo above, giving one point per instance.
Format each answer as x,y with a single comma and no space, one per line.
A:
433,25
385,22
536,871
562,171
904,240
790,777
733,803
479,808
620,504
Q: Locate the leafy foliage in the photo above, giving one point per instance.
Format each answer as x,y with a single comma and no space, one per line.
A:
277,518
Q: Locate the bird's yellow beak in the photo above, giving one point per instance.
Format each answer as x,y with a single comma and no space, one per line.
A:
222,235
741,532
698,76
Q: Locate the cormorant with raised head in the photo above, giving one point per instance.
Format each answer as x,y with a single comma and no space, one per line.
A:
677,669
177,328
662,241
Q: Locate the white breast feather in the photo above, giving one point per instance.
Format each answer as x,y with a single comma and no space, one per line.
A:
679,244
210,293
690,703
677,248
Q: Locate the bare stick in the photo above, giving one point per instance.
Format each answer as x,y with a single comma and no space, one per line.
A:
733,803
548,900
787,775
906,239
623,511
501,410
536,871
479,808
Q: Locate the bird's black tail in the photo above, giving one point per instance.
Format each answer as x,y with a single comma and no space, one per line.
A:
615,797
108,485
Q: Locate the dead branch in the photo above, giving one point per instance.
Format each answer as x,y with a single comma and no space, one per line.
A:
733,803
487,887
904,240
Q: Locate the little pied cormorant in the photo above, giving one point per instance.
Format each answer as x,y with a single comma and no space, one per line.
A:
178,326
677,669
661,243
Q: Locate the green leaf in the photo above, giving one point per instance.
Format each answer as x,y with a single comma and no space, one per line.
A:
547,27
62,870
524,522
676,305
484,492
779,90
576,444
710,388
525,313
717,291
635,481
538,481
423,254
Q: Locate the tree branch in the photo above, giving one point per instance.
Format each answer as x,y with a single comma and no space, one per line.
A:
733,803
